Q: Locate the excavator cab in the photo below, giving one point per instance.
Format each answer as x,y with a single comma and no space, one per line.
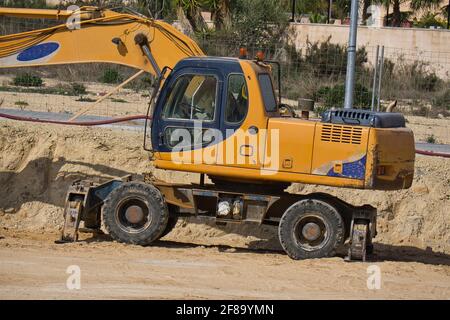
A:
204,104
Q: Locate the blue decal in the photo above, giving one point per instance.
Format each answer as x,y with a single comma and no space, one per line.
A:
38,51
355,169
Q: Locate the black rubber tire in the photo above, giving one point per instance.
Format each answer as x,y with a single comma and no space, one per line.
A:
156,206
333,224
171,223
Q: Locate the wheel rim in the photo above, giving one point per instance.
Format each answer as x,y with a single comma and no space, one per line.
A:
133,215
311,232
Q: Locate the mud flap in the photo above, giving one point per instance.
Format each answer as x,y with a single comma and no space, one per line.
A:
362,230
72,217
358,242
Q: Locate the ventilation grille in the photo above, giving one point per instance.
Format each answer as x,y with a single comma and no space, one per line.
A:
341,134
353,114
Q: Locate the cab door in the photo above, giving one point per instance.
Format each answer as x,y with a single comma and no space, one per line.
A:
188,110
244,120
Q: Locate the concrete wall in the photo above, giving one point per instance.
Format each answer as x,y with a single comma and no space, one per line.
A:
432,46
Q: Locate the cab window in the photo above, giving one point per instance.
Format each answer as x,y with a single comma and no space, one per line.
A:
193,97
265,83
237,99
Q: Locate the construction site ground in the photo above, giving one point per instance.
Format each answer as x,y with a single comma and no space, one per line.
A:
33,267
199,259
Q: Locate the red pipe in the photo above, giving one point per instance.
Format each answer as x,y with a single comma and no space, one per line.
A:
143,117
76,123
433,154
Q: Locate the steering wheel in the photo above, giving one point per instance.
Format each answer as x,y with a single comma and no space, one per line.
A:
187,108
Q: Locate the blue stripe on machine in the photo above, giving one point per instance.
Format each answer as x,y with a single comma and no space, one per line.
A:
38,51
355,169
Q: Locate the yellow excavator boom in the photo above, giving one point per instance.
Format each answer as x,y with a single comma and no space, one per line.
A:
94,35
87,13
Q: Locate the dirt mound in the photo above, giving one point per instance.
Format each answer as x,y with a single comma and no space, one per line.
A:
39,162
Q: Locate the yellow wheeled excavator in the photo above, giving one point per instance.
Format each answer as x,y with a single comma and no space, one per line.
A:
221,118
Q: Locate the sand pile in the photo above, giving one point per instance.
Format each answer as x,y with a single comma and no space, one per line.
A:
39,162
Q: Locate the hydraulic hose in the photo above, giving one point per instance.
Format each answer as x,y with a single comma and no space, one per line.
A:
76,123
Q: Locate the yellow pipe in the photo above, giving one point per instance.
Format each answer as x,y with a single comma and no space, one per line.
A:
85,13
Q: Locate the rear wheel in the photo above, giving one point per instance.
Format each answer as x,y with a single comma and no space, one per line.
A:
135,213
311,229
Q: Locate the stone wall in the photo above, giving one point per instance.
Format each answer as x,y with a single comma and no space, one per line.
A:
432,46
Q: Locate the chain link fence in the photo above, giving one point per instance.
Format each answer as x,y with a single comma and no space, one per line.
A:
67,89
417,80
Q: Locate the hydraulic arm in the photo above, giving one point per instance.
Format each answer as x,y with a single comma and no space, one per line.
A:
94,35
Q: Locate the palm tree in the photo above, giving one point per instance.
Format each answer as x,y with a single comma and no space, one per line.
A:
366,5
192,10
425,4
396,14
396,4
221,13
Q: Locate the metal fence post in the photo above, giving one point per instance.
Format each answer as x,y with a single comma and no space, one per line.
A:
380,76
351,56
375,70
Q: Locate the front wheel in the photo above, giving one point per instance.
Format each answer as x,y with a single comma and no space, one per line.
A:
135,213
171,224
311,229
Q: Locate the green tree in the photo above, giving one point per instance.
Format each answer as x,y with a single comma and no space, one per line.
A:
430,20
35,4
396,6
259,22
308,6
221,13
425,4
193,11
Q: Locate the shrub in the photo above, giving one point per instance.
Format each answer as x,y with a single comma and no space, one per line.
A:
329,59
419,74
388,67
143,83
430,20
335,96
442,101
85,99
21,103
421,112
111,76
28,80
317,18
427,81
319,110
431,139
78,89
119,100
